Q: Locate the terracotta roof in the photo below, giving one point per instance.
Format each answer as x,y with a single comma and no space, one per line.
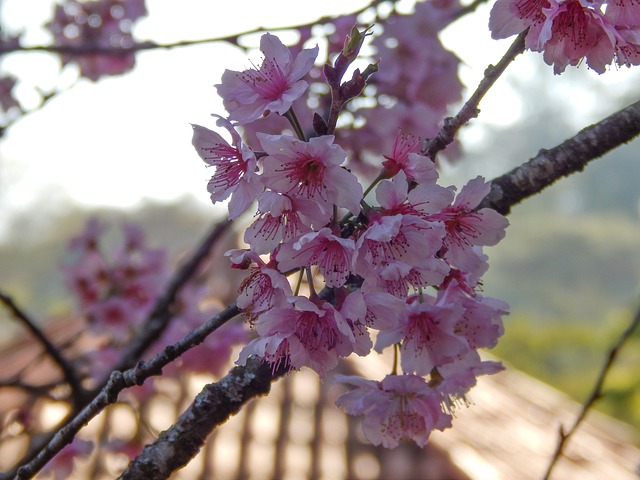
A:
296,432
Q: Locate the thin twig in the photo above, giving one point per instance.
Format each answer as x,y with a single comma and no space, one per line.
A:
69,372
470,109
153,327
150,45
118,381
595,394
161,313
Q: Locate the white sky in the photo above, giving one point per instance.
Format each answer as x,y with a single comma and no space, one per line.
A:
128,138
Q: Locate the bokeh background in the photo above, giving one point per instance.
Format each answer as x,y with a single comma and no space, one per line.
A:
120,148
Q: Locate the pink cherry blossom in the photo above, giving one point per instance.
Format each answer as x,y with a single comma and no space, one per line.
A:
397,408
272,87
394,197
511,17
379,310
467,227
310,170
628,47
568,31
354,309
575,30
398,277
115,315
304,334
264,288
332,255
114,289
481,322
403,238
454,379
428,336
623,13
235,166
404,156
282,218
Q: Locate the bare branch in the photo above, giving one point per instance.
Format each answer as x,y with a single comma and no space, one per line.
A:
176,446
161,313
595,394
118,381
470,109
153,327
150,45
69,372
569,157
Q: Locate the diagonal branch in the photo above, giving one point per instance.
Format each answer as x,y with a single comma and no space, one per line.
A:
595,394
118,381
69,372
153,327
569,157
211,407
470,109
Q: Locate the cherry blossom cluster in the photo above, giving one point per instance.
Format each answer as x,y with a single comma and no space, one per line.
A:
116,292
99,24
116,289
570,31
412,98
332,271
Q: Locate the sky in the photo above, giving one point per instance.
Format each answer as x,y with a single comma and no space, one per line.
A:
126,139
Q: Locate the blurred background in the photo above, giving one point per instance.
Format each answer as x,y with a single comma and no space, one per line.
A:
120,148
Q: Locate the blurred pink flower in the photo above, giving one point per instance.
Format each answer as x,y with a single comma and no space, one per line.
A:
397,408
99,24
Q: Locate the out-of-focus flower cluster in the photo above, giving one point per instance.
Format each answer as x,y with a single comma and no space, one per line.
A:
570,31
406,263
116,291
100,25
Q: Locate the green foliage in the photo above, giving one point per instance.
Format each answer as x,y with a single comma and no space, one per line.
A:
570,354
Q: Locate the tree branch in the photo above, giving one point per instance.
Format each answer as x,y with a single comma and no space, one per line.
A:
176,446
596,393
78,393
470,109
118,381
150,45
153,327
569,157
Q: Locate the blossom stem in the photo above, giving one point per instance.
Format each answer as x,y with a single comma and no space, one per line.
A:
470,109
312,290
396,349
373,184
293,120
300,277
